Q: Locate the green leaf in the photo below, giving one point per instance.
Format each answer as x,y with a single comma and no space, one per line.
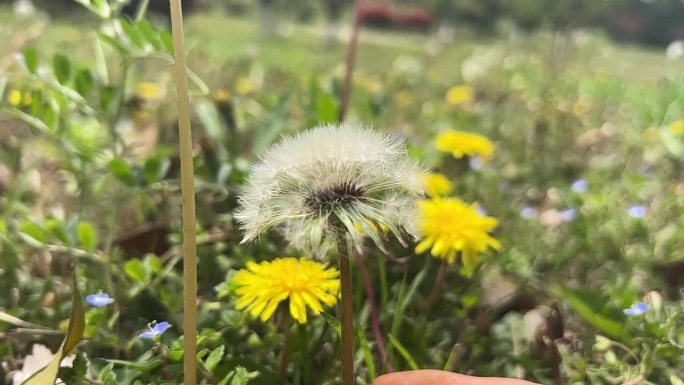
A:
136,270
34,231
108,98
238,376
155,168
367,354
404,353
30,59
84,82
167,41
19,322
149,34
595,308
114,43
48,374
61,65
333,322
326,107
87,235
214,358
132,32
122,171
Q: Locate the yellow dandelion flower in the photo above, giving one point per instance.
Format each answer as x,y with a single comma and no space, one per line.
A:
221,96
244,86
262,286
14,98
461,144
459,95
437,185
677,128
148,91
449,226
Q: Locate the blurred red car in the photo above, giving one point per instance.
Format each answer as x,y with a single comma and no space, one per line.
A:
384,15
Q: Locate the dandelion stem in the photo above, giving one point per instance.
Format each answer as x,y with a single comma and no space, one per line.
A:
351,57
375,317
438,289
347,307
285,354
188,193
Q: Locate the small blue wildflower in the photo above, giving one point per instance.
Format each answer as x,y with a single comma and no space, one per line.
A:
528,213
637,309
567,215
475,163
579,186
154,329
99,300
637,211
481,210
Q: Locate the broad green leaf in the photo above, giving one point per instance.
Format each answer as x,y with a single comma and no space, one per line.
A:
404,352
61,65
48,374
114,43
214,358
19,322
122,171
595,308
132,32
149,34
84,82
167,41
136,270
33,231
238,376
326,107
30,59
155,168
87,235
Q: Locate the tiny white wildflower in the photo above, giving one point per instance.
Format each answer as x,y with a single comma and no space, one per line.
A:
333,174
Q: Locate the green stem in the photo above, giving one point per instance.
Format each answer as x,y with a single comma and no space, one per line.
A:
188,193
347,308
285,354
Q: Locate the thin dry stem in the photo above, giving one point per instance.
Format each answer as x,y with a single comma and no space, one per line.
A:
347,308
188,193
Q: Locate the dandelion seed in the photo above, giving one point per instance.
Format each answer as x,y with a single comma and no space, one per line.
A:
579,186
449,226
155,329
462,144
305,284
99,300
637,211
637,309
437,185
328,177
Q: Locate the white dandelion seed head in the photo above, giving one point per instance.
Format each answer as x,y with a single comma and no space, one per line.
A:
345,173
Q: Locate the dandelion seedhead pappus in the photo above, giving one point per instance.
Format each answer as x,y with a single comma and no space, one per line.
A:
333,175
